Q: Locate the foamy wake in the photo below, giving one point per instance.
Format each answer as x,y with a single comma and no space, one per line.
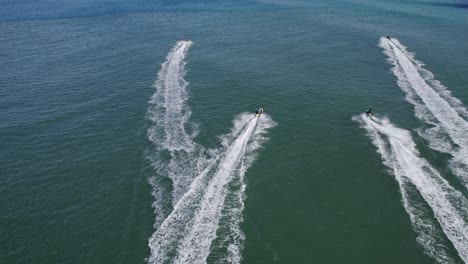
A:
434,105
188,233
176,158
448,215
205,187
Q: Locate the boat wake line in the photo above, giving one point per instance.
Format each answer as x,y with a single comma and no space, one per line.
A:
176,155
434,105
199,193
421,185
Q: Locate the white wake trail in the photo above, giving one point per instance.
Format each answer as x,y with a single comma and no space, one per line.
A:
187,234
170,98
449,206
176,156
434,105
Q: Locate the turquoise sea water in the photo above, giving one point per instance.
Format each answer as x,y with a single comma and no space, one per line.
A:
84,144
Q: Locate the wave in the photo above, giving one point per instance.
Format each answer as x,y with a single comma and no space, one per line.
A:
434,105
188,233
448,214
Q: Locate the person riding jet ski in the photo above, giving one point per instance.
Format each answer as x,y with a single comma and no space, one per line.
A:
369,112
187,39
259,112
388,37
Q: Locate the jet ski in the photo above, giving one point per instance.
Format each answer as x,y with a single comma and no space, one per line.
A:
388,37
259,112
187,39
369,113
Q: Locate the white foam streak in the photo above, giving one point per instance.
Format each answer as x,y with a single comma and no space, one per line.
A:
171,95
448,205
196,244
187,234
434,105
207,186
172,133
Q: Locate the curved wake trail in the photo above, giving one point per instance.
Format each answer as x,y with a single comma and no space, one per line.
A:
188,233
199,193
434,105
449,207
177,157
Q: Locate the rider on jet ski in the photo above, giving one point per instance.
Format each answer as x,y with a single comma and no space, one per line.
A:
259,111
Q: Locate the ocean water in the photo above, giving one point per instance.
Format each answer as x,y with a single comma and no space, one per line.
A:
122,143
